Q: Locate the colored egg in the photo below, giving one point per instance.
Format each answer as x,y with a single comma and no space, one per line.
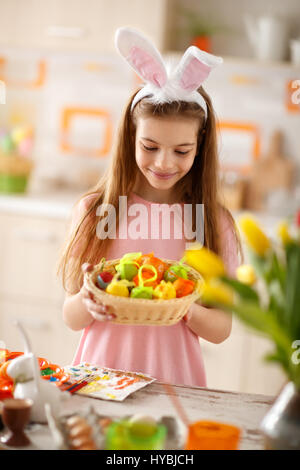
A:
116,288
127,270
164,290
145,276
174,272
142,292
143,428
183,287
103,279
157,263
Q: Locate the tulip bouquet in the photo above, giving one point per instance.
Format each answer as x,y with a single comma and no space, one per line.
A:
275,266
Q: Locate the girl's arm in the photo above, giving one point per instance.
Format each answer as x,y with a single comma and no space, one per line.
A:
213,324
210,323
79,310
75,314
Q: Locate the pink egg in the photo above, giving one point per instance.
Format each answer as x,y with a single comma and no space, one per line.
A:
25,147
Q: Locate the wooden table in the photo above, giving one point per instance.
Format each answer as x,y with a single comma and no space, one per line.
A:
241,409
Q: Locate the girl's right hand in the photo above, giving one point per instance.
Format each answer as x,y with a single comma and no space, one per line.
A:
98,311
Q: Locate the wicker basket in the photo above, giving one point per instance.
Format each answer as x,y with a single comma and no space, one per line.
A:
144,311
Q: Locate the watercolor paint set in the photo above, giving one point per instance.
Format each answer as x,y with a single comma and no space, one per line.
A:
102,382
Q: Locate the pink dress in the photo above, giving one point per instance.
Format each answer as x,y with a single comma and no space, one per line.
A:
169,353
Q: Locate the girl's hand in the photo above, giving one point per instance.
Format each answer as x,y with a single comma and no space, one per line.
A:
98,311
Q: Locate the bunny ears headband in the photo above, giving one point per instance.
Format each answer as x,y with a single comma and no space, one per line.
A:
161,87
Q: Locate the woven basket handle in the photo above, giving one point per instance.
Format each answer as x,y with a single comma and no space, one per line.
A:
100,265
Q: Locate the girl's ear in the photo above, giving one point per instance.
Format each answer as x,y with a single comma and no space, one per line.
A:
142,55
194,68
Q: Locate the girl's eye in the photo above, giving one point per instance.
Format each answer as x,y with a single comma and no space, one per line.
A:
150,149
153,149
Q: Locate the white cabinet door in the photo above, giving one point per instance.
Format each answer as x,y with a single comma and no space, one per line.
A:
29,253
49,336
237,364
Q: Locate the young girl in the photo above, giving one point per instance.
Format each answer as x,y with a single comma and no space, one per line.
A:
166,153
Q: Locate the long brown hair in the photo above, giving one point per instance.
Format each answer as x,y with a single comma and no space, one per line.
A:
198,186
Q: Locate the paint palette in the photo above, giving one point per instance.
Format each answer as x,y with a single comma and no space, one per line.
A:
104,383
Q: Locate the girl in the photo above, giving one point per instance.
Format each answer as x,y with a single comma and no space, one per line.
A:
166,153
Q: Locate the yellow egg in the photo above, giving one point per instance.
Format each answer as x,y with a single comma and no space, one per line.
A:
116,288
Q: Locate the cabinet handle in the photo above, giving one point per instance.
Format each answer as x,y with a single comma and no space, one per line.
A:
32,235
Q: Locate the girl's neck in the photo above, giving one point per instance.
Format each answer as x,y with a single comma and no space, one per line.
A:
160,196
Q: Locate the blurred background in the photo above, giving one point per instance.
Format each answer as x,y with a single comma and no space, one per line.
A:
65,88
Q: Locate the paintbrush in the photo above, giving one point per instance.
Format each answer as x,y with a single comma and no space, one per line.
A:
176,403
81,383
69,386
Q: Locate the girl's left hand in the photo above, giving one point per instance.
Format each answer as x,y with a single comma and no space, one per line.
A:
98,311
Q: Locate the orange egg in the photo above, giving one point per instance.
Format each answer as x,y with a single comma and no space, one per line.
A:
145,275
159,265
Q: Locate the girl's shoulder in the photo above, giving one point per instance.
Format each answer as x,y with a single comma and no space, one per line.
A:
81,207
226,220
85,202
79,210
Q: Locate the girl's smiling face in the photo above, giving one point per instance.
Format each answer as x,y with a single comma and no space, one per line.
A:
165,149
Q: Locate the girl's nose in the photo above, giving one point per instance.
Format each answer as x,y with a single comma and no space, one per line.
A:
164,162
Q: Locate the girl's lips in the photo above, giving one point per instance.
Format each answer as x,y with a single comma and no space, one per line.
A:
162,175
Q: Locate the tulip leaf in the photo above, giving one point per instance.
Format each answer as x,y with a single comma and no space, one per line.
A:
265,322
245,291
293,289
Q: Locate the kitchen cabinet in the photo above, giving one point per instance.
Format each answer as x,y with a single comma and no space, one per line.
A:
29,248
237,364
49,336
29,288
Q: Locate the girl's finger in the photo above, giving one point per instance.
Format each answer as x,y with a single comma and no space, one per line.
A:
93,306
87,294
101,317
86,267
98,316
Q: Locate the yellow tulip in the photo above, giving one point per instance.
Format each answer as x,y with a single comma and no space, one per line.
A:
205,262
283,233
215,292
246,274
255,237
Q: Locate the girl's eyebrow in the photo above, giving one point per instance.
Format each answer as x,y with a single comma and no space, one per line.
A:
179,145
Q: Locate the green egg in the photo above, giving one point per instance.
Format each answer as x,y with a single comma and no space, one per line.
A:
143,429
127,270
174,272
142,292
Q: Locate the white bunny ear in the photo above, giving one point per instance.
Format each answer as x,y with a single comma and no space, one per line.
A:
142,55
194,67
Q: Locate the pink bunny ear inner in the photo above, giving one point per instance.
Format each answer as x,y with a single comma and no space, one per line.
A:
195,72
147,67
